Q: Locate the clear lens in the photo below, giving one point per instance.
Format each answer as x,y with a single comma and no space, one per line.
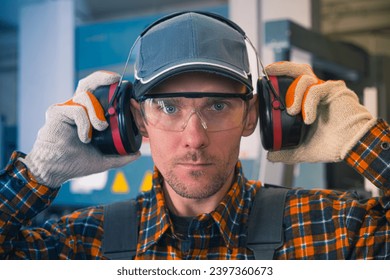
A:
174,113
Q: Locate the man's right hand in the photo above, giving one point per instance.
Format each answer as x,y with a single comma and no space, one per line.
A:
62,150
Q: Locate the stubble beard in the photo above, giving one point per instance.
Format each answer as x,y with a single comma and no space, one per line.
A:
196,190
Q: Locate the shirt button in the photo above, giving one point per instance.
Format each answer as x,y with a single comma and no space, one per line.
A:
385,146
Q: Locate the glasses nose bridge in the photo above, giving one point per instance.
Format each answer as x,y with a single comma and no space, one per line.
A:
196,111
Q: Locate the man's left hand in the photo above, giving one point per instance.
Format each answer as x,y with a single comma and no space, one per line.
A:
337,120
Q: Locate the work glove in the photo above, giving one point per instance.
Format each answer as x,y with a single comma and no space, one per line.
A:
337,120
62,150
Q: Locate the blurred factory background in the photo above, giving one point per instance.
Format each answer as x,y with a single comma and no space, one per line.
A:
46,46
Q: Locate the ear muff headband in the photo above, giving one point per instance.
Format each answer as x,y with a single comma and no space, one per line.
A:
278,129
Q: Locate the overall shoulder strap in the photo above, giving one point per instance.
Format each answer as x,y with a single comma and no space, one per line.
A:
120,230
265,229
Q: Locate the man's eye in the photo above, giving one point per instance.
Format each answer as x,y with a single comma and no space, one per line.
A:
218,106
169,109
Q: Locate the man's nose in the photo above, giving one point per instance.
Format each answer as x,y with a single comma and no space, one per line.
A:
200,117
195,131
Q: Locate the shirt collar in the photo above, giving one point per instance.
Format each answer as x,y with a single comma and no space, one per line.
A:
228,215
154,220
233,210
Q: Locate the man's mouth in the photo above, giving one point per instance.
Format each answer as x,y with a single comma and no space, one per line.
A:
195,164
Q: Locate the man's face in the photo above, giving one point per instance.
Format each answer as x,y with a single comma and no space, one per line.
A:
197,163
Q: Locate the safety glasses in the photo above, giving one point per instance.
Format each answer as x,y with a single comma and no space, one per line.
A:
216,111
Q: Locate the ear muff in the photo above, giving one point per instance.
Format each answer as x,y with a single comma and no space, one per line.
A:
122,136
278,129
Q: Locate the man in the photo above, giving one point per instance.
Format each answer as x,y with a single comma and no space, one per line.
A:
193,100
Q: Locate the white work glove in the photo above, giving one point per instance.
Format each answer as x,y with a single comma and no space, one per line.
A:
337,120
61,150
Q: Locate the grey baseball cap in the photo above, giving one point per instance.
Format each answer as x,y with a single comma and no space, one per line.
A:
190,42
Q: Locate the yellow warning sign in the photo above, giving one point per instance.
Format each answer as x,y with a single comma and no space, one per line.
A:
147,182
120,184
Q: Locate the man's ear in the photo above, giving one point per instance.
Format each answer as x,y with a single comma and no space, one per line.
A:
251,118
139,120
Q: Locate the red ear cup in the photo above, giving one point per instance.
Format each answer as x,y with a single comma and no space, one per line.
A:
122,136
278,129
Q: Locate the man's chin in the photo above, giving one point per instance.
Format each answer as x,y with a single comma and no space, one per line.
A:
195,185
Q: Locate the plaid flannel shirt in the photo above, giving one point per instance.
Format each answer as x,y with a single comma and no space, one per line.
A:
318,224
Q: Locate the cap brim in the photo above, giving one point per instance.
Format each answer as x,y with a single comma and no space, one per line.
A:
143,85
